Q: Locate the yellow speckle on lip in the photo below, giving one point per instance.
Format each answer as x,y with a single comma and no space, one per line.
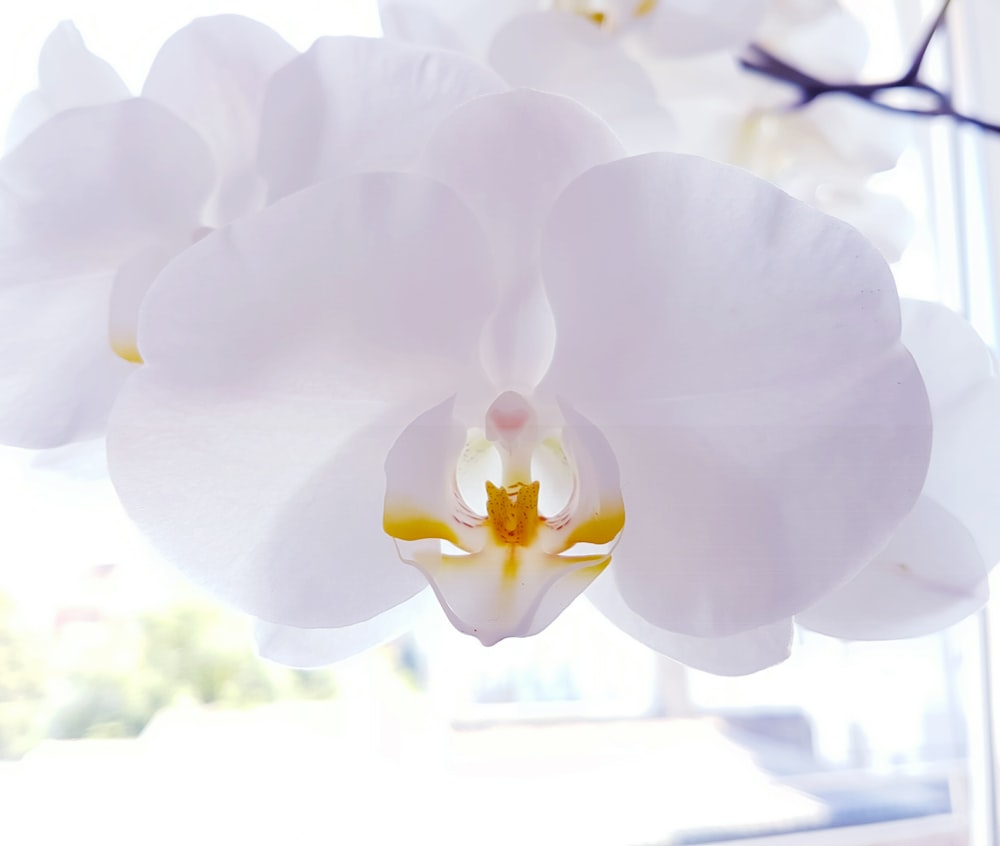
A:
644,7
513,513
126,350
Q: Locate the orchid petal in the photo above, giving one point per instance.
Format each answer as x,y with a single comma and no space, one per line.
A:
960,373
467,25
311,648
929,576
69,77
213,74
59,375
249,446
536,144
736,655
684,28
93,186
413,24
770,428
132,281
318,122
566,54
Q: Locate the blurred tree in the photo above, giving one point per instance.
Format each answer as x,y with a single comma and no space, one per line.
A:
22,685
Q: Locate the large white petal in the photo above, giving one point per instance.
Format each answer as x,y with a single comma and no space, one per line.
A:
310,648
565,54
929,576
736,655
535,144
741,353
58,374
282,355
69,77
320,122
213,74
93,186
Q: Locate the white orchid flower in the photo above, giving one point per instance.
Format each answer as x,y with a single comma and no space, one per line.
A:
99,193
522,364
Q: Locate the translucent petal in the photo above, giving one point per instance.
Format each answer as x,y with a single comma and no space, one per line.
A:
468,25
281,357
929,576
736,655
960,374
318,122
132,281
58,374
688,27
93,186
769,427
310,648
566,54
536,144
213,74
69,77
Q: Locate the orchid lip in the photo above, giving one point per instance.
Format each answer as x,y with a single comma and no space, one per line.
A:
501,568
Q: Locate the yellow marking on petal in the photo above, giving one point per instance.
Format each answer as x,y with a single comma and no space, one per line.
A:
411,525
644,7
126,350
513,513
603,527
598,18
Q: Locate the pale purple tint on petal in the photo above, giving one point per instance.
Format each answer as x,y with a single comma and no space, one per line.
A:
535,144
69,77
566,54
213,74
960,373
929,576
280,357
311,648
689,27
320,121
93,186
736,655
740,351
470,24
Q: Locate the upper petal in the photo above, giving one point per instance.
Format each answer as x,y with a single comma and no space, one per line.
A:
535,144
319,122
566,54
282,354
736,655
69,77
468,25
770,428
213,74
682,28
92,186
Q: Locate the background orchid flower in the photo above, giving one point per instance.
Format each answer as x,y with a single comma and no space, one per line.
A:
665,76
711,395
100,194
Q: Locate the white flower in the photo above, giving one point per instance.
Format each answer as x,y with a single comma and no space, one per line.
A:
99,193
666,360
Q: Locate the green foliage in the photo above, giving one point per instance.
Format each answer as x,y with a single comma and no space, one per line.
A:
22,685
192,652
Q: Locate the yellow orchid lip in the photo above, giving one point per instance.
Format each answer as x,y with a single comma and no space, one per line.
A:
511,570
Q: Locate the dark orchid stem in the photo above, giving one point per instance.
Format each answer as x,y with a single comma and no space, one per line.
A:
761,61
